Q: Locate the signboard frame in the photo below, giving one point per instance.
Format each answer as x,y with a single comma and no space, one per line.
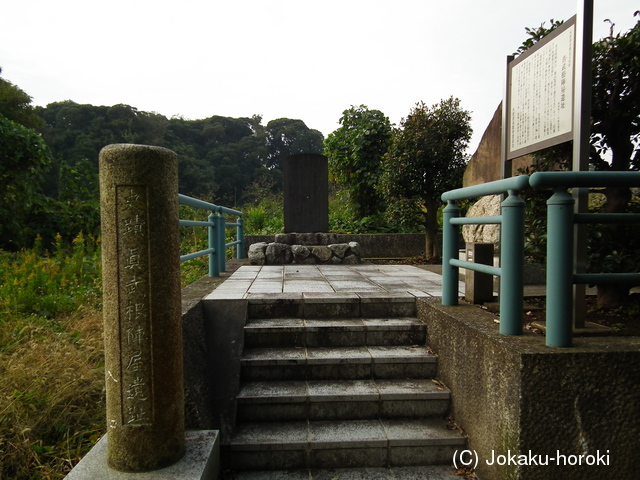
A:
527,58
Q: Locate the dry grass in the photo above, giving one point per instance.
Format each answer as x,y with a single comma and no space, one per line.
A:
52,394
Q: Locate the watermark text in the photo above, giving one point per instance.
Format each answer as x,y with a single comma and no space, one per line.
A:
470,458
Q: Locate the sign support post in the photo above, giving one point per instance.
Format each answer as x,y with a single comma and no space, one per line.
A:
581,134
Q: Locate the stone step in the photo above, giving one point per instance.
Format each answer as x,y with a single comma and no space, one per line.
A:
426,472
341,444
299,332
330,363
340,399
331,305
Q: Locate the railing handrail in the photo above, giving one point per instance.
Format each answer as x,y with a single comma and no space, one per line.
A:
561,275
194,202
216,225
496,187
512,223
584,179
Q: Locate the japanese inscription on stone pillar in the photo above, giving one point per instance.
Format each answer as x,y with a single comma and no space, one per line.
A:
134,308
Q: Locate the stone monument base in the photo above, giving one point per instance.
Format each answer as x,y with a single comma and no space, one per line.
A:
284,254
200,462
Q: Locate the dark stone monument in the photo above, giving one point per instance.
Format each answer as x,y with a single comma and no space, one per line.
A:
306,193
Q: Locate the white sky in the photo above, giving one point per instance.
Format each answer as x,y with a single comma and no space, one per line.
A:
281,58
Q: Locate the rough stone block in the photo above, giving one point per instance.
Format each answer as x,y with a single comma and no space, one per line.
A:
300,253
322,253
256,253
278,254
339,249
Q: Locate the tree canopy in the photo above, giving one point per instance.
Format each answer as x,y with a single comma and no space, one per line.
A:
426,158
219,157
355,152
615,146
48,180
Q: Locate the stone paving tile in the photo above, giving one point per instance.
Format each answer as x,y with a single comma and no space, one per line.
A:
349,324
274,323
331,297
355,474
290,297
428,431
253,436
418,389
358,433
282,391
273,356
265,287
430,472
225,295
269,276
344,355
400,354
339,279
306,286
343,390
276,475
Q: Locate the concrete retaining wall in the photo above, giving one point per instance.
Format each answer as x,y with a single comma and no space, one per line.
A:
512,394
396,245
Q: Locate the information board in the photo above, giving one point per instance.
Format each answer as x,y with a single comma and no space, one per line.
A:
540,93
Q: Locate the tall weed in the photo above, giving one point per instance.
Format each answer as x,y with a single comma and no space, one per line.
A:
51,358
36,282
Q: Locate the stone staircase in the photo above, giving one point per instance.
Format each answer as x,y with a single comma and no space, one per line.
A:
339,383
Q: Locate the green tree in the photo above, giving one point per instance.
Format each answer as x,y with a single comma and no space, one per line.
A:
285,136
15,105
425,159
615,146
355,152
615,130
24,158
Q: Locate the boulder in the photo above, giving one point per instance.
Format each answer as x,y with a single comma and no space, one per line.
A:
339,249
278,254
488,206
300,253
355,249
322,253
351,260
256,253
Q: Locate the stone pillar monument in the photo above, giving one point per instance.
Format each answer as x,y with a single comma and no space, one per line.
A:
306,193
142,309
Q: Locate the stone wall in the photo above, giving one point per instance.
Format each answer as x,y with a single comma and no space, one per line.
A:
514,395
392,245
282,254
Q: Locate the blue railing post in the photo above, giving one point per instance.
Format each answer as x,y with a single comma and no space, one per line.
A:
512,264
214,269
449,251
560,269
220,240
240,239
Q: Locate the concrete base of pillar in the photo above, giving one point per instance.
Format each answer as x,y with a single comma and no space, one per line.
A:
200,462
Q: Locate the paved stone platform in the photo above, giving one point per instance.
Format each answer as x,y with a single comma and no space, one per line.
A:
290,281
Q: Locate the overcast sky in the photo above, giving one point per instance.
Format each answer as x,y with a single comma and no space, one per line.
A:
306,59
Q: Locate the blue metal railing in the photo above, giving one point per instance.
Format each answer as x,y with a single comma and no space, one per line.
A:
560,267
511,247
216,225
560,243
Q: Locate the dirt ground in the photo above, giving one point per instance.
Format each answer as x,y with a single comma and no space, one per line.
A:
623,321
